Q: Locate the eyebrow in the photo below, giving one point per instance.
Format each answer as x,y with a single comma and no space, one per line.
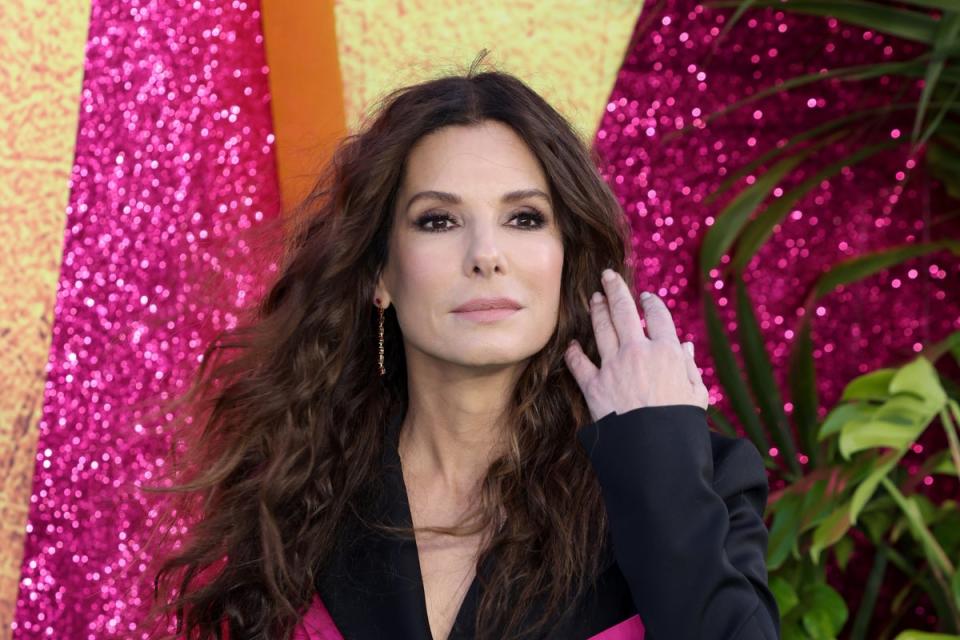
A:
452,198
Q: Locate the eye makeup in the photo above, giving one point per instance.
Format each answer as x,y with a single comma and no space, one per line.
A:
437,215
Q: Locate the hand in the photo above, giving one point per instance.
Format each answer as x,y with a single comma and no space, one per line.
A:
636,370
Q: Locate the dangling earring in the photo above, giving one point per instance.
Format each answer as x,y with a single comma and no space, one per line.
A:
380,345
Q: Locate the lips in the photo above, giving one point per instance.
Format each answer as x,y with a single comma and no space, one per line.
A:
484,304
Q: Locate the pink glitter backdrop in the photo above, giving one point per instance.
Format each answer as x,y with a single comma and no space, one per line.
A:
668,81
175,161
663,87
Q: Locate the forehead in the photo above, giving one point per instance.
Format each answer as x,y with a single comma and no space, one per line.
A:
487,154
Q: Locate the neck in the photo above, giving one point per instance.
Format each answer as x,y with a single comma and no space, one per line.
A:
453,429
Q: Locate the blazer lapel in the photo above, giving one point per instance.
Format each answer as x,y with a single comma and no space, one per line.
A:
372,585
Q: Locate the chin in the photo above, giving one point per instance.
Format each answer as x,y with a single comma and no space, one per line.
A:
491,355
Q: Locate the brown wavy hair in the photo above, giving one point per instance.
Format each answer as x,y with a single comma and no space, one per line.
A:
282,441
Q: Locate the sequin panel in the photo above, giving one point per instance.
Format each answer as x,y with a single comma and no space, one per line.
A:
174,168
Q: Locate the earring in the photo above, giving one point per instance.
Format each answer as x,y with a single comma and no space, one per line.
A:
380,345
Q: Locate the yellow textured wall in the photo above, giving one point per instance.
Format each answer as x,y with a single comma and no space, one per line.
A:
569,51
41,72
330,61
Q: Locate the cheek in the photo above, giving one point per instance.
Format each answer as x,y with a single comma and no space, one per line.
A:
546,268
425,271
423,280
543,276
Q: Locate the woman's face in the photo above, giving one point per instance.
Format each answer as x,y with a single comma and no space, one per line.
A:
473,240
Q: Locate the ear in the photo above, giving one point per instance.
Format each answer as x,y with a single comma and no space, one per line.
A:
380,293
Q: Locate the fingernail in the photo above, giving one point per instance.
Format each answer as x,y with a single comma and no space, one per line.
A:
645,295
597,297
608,275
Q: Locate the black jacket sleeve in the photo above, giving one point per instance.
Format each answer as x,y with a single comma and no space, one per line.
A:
685,507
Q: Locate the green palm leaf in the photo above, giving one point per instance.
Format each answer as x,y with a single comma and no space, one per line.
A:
721,421
720,236
762,380
936,125
946,33
810,134
903,23
912,67
784,530
932,549
865,265
759,229
730,377
942,5
803,390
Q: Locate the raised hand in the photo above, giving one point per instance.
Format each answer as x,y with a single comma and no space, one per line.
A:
636,369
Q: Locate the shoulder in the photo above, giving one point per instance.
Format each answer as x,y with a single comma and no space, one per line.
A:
737,466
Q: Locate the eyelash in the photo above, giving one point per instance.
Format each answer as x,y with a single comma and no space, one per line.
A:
433,216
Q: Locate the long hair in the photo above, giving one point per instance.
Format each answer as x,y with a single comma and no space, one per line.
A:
283,441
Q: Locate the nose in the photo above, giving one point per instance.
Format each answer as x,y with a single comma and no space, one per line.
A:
484,252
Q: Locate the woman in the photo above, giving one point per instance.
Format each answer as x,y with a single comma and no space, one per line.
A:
441,351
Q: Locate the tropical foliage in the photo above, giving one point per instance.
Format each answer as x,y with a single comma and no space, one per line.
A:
852,487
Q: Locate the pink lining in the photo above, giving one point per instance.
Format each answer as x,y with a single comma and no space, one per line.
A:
629,629
318,625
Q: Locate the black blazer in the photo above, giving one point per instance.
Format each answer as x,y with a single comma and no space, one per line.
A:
686,551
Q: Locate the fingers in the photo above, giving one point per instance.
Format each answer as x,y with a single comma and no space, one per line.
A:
659,321
625,317
579,364
623,308
693,372
606,335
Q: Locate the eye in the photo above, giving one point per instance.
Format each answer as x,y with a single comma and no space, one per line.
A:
537,220
433,217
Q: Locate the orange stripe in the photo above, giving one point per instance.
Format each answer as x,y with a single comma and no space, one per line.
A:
306,90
